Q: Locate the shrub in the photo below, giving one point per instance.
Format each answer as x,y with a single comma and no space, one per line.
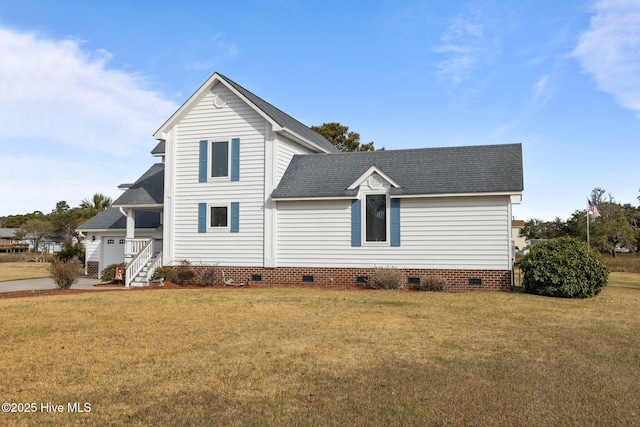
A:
185,273
433,283
65,272
386,278
166,273
70,251
564,267
108,274
205,276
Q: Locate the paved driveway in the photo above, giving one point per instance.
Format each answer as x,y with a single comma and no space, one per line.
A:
43,284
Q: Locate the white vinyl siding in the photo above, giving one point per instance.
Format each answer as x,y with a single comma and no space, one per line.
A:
437,233
205,122
286,151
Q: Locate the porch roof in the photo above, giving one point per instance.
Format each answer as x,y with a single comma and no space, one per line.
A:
147,191
112,219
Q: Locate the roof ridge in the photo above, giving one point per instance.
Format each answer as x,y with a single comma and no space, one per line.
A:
243,89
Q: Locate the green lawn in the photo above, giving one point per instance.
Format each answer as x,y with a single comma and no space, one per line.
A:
324,357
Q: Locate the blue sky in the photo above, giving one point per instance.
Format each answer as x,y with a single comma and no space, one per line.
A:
84,85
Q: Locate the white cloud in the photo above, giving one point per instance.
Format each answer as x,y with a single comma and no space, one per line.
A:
70,126
472,39
542,91
462,45
610,50
56,90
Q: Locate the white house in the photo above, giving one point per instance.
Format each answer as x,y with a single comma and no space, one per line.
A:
244,186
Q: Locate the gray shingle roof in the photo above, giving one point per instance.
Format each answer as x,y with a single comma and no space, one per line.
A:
447,170
282,118
159,148
112,219
148,190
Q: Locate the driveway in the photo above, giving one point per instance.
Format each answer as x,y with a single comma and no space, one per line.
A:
44,284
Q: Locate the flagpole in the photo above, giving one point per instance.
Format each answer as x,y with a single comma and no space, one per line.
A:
588,244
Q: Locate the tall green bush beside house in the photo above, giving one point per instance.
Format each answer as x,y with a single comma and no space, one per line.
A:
564,267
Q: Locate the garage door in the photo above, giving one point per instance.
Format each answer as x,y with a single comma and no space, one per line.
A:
113,250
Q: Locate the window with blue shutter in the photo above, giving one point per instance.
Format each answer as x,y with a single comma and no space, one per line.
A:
219,159
202,217
202,172
235,159
235,217
394,215
356,223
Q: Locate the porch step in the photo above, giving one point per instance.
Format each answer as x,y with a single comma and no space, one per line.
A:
139,281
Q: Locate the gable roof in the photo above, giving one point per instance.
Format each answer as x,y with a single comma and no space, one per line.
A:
282,121
425,171
147,191
112,219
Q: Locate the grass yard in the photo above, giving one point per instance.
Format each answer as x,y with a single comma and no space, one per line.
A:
23,270
324,357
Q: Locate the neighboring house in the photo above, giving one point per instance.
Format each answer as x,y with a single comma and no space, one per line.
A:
519,242
9,243
245,187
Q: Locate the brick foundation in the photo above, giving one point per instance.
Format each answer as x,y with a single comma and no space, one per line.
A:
457,280
93,269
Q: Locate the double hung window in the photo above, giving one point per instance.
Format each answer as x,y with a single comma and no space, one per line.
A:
219,159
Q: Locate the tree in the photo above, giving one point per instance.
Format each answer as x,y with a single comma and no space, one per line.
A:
92,207
538,229
340,136
35,229
612,229
64,221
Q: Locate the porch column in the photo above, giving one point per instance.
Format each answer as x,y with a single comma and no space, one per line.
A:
130,234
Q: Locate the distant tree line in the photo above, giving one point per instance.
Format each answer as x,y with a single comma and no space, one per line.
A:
61,222
616,226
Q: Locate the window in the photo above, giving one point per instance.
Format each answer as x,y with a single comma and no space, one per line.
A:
111,242
219,216
376,218
220,159
121,241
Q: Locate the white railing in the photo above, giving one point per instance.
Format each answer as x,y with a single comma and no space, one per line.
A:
157,262
134,246
138,262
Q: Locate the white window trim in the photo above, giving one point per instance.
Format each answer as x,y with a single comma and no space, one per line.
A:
363,216
210,228
227,177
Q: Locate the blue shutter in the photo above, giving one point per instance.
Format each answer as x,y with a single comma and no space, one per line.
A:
202,217
235,159
356,223
202,173
235,217
395,222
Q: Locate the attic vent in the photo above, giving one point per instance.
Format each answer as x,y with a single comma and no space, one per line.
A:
375,181
219,101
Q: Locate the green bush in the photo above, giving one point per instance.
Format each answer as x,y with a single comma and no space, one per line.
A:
167,273
564,267
432,283
108,274
386,278
66,272
70,251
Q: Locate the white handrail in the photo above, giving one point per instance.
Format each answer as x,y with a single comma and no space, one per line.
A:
138,262
157,262
134,246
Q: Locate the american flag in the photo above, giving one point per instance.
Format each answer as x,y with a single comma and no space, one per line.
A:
592,208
